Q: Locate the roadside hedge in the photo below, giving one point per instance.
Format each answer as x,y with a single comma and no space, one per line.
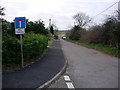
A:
33,45
55,37
10,49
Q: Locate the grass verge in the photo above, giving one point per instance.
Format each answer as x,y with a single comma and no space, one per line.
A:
50,41
100,47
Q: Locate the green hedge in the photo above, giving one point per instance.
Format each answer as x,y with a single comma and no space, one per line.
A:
55,37
33,45
10,49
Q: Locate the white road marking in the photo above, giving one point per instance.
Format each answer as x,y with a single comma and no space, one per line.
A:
68,82
67,78
70,85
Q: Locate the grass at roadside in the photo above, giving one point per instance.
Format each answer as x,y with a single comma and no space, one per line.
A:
104,48
50,41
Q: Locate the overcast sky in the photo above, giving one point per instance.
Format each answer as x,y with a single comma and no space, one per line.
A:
60,11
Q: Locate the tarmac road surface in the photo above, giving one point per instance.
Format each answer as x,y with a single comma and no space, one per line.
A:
38,73
88,68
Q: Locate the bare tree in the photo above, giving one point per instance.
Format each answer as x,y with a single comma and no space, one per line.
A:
82,19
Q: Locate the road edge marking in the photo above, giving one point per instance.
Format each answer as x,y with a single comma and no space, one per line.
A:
66,78
70,85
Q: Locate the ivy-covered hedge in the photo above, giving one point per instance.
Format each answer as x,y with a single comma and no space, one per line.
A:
33,45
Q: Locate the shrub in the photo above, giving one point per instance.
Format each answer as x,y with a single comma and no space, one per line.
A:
36,27
33,45
10,49
75,33
55,37
93,35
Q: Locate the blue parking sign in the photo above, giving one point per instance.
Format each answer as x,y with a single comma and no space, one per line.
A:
20,22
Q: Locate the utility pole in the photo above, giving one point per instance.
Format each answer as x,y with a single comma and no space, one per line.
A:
74,24
49,23
119,10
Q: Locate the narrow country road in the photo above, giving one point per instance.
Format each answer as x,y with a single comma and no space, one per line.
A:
88,68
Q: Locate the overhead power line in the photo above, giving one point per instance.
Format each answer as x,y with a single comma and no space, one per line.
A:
104,10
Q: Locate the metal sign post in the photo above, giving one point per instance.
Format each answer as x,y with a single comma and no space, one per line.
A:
20,26
21,50
21,44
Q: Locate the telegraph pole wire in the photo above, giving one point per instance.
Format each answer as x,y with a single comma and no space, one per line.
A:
104,10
